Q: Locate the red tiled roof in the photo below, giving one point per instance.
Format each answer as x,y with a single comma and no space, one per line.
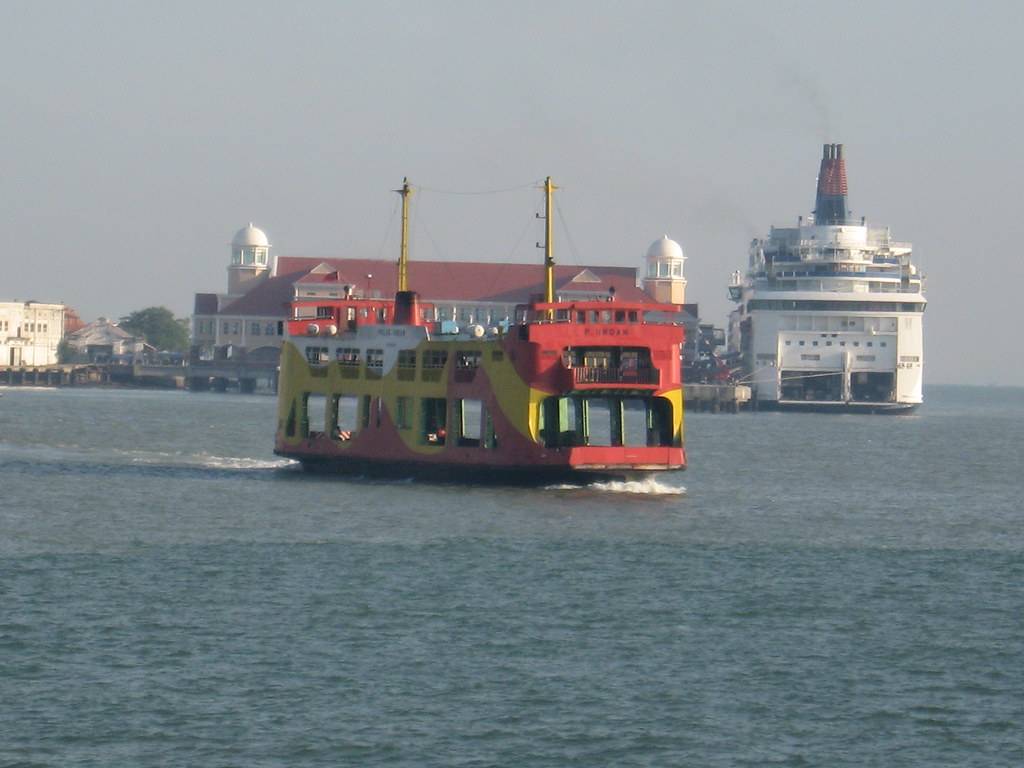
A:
435,281
466,281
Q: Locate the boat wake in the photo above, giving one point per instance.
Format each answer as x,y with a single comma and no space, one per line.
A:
210,461
648,487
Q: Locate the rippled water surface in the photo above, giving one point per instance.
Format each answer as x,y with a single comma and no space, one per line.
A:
815,590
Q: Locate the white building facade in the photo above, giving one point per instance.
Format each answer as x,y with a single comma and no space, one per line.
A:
30,332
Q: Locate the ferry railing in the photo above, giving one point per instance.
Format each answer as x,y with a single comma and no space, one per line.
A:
599,375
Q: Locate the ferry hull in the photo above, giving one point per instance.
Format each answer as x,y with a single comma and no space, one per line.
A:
529,476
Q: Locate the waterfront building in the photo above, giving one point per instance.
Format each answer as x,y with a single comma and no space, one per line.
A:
101,341
30,332
247,323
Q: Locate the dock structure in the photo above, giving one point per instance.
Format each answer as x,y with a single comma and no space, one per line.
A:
716,398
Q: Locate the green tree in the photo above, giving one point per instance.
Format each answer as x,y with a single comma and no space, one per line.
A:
158,326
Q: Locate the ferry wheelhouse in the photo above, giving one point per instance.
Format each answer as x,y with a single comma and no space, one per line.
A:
565,391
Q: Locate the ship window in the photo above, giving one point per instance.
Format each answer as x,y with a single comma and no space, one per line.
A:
803,343
364,411
881,344
620,316
317,355
581,316
434,412
814,343
348,356
324,312
633,316
828,343
315,414
788,343
403,412
346,416
842,343
606,315
255,328
468,422
374,361
467,359
871,343
593,316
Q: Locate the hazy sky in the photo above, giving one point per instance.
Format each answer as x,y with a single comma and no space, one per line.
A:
137,137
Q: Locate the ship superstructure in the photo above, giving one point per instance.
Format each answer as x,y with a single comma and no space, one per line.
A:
569,390
829,312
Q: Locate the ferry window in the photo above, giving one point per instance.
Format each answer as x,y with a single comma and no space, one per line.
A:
324,312
346,417
316,355
828,343
842,343
403,412
788,343
467,359
269,329
593,316
435,358
620,316
374,362
316,414
856,343
225,327
803,343
348,356
814,343
434,412
364,411
468,422
881,344
633,316
280,327
634,420
871,343
255,329
581,316
606,315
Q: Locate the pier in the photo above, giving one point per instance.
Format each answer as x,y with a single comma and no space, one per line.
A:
716,398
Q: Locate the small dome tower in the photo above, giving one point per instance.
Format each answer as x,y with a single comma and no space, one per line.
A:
664,279
250,259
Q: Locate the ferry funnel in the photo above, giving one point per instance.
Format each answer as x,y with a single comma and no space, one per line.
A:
830,204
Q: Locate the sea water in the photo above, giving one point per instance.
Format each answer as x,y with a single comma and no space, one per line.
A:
814,590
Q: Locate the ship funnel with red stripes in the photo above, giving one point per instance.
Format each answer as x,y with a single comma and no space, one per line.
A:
830,205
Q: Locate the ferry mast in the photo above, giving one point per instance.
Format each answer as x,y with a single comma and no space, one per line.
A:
403,254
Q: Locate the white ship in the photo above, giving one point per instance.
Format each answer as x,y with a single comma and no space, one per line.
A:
829,314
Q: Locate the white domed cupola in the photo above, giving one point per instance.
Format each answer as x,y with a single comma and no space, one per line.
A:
250,258
664,279
250,246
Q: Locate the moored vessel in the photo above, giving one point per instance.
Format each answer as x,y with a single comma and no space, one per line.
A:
829,313
572,390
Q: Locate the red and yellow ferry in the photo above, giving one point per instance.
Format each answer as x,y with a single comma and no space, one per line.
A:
567,391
